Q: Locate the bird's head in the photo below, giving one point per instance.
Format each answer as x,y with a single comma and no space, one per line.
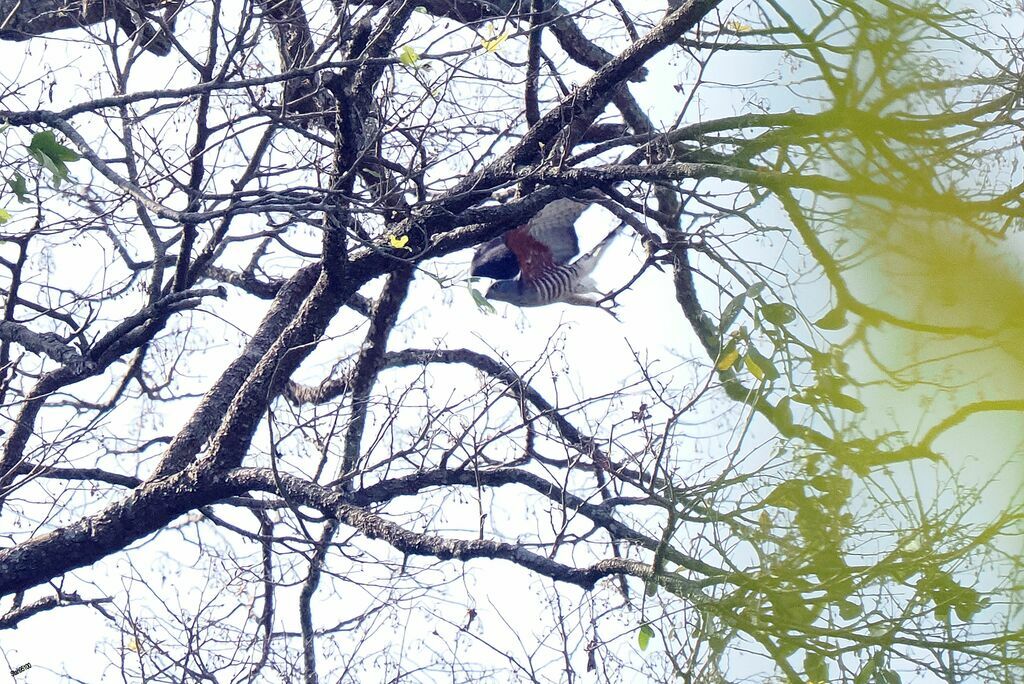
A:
504,291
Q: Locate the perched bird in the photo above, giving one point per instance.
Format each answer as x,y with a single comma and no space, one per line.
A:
533,264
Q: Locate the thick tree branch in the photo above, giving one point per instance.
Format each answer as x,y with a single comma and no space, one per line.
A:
47,344
205,420
21,20
147,509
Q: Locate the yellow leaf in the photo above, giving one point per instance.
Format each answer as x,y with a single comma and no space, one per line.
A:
728,359
133,645
399,242
752,366
492,44
738,26
408,56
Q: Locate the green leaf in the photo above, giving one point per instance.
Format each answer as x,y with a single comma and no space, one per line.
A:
19,187
888,677
52,155
784,413
755,360
824,483
815,667
755,289
778,313
408,56
849,610
482,303
845,402
5,216
442,281
717,642
864,676
789,495
791,607
836,489
46,142
833,320
804,397
968,604
644,637
788,646
754,369
731,311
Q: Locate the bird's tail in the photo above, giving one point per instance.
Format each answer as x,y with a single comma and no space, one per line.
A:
586,263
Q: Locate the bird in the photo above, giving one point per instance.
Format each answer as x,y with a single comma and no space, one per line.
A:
533,263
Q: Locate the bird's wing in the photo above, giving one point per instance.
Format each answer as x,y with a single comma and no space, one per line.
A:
554,227
546,240
493,259
533,255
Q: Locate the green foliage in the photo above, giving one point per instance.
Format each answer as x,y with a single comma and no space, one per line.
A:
815,667
52,155
19,187
939,588
828,391
731,311
778,313
643,637
833,320
875,671
481,301
759,365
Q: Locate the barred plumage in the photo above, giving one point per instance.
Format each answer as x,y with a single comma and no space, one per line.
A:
532,261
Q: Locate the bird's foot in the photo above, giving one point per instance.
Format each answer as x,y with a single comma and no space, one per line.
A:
609,307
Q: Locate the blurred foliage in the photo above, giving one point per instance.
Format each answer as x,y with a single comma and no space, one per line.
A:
874,558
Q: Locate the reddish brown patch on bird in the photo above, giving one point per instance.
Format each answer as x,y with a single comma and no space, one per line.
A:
533,255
